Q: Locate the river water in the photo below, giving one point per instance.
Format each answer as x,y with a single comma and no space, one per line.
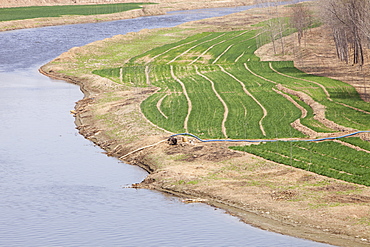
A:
58,189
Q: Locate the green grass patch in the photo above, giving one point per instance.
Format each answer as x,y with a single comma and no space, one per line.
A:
357,142
21,13
330,159
255,110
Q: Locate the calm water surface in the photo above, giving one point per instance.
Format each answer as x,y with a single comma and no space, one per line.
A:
58,189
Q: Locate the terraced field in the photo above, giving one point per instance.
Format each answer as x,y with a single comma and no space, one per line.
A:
212,85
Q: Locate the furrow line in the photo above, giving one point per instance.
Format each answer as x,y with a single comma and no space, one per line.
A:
187,98
318,84
303,110
150,60
250,95
222,54
209,48
226,109
263,78
147,75
354,108
236,60
194,47
159,103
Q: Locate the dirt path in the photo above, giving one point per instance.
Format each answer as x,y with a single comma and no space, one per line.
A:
215,61
240,56
354,108
297,123
147,77
352,146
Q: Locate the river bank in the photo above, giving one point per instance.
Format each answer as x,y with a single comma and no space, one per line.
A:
262,193
160,8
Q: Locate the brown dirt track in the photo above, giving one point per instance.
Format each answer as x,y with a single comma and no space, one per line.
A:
265,194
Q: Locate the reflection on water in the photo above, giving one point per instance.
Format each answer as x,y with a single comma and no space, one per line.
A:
58,189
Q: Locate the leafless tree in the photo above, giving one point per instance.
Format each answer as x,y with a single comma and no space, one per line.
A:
274,28
350,24
301,19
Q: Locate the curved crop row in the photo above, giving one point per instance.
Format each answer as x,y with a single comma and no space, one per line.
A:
272,109
326,158
212,85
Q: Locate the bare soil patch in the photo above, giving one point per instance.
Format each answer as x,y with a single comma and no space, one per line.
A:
265,194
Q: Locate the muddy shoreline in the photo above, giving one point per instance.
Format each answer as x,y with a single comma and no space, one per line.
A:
267,195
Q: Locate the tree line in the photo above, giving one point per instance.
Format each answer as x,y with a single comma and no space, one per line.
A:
348,21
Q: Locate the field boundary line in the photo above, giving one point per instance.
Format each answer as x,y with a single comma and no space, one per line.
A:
250,95
159,103
354,108
222,54
352,146
263,78
318,109
297,123
323,88
293,77
151,59
304,129
303,110
226,109
187,98
147,75
151,123
236,60
209,48
194,47
121,75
